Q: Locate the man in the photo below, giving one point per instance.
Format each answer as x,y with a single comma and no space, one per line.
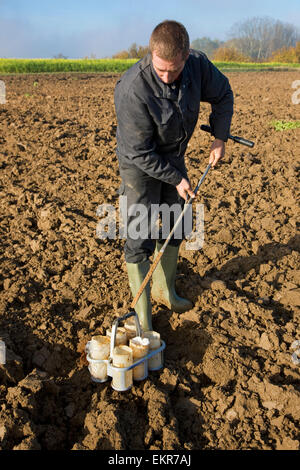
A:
157,105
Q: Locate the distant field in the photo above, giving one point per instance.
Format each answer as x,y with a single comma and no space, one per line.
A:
8,66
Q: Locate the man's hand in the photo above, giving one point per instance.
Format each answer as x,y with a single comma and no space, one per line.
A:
217,151
184,189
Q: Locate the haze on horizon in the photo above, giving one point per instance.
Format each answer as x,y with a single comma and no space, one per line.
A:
76,29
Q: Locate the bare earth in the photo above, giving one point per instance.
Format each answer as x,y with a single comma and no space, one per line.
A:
228,380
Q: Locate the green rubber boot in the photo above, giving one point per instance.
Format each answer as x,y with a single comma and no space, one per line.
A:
136,274
163,281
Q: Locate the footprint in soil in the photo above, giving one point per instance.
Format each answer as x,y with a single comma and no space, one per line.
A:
185,341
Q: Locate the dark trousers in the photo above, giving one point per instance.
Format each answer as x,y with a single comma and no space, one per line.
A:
140,221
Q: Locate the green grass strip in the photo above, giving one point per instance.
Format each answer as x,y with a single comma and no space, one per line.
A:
256,65
64,65
285,125
112,65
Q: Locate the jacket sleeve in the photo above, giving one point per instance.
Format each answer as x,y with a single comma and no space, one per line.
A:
135,138
216,90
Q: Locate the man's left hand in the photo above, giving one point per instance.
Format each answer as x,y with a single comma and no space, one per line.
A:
217,151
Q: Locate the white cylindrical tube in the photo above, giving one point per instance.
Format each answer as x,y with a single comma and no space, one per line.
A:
98,371
122,357
155,362
98,348
121,336
130,328
140,348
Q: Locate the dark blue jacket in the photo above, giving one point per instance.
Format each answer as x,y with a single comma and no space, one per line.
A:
155,123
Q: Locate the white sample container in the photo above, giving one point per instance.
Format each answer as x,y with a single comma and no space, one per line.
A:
155,362
98,353
122,357
130,327
121,336
140,348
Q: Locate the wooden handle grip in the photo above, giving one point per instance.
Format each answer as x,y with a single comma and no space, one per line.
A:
147,278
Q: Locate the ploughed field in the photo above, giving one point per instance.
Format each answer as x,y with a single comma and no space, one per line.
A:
229,380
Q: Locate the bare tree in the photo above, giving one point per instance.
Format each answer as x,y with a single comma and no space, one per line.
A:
258,37
133,51
206,45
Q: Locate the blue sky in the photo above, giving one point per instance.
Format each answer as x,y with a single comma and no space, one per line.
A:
44,28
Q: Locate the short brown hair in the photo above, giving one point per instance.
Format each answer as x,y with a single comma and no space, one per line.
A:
168,39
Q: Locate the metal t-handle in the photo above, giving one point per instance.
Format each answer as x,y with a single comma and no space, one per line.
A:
235,138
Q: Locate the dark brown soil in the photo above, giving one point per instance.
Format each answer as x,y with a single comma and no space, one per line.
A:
228,380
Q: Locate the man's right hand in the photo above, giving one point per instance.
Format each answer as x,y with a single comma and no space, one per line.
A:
184,189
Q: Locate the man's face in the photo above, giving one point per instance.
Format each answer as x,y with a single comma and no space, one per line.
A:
168,71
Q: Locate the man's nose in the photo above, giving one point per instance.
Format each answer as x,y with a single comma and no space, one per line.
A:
166,76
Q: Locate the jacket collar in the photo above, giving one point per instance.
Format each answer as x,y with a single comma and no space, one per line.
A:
161,89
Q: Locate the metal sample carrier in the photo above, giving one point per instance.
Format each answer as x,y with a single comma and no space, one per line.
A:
122,376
